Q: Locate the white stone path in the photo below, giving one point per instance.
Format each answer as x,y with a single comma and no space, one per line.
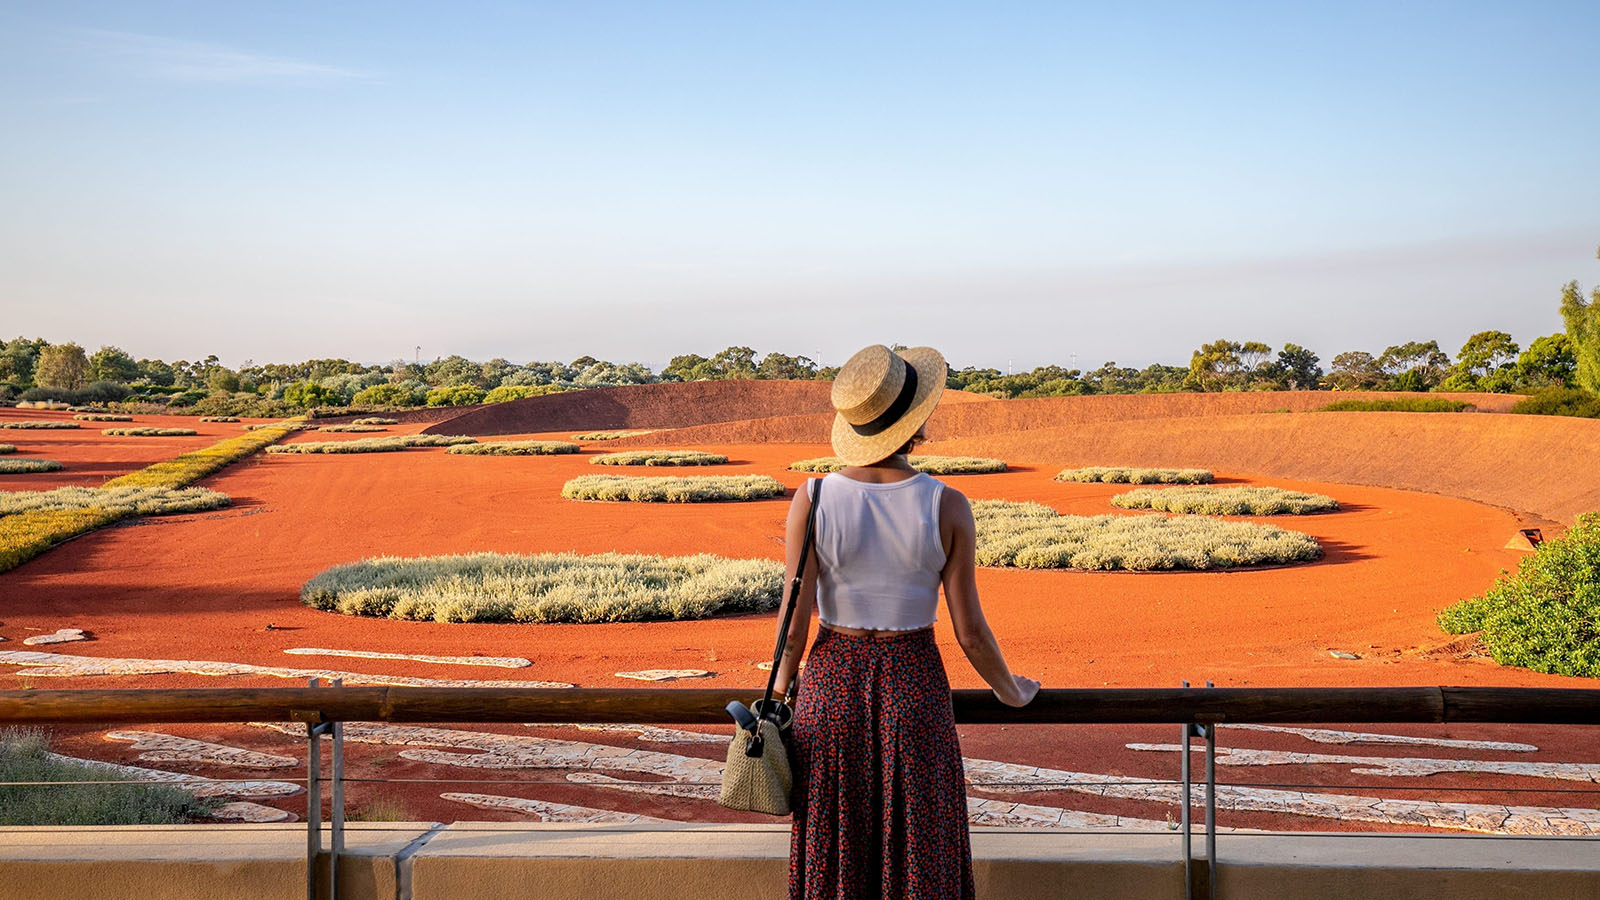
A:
60,665
170,748
1332,736
500,662
1395,766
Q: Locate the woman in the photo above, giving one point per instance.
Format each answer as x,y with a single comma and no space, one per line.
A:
880,806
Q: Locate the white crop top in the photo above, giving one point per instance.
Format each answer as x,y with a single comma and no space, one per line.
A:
880,552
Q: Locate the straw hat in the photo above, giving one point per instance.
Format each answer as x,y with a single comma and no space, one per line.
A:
882,398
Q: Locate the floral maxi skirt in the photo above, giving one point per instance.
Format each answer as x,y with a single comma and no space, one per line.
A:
880,805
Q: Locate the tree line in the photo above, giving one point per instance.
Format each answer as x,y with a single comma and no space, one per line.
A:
33,369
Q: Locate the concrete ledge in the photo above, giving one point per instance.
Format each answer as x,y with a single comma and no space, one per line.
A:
422,861
196,862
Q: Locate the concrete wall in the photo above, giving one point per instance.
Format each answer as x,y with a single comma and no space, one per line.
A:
425,861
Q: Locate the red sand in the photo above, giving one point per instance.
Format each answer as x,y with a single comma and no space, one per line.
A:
91,458
205,586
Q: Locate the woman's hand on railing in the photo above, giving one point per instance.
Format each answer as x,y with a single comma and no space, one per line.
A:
1023,689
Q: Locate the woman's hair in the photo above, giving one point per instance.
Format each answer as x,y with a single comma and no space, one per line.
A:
907,446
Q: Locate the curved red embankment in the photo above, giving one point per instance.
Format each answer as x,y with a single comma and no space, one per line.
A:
1538,465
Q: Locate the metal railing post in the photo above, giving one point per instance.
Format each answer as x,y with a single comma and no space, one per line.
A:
1183,814
1211,807
313,801
336,818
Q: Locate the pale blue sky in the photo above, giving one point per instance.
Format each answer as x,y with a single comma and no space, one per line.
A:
1005,181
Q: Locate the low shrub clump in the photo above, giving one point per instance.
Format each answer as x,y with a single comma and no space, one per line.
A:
7,448
606,435
149,431
1546,617
1033,536
25,757
375,420
219,418
1399,404
547,587
102,417
1560,402
40,423
28,466
659,458
669,489
352,427
190,467
294,425
1123,475
375,445
122,501
933,465
1226,501
515,448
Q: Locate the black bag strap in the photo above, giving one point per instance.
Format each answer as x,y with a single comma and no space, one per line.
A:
788,610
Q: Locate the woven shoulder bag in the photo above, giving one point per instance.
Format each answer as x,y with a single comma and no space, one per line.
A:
758,777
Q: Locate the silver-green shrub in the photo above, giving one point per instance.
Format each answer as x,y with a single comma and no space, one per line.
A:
102,417
7,448
219,418
933,465
1121,475
606,435
659,458
1226,501
515,448
547,587
353,427
375,445
1033,536
149,431
39,423
670,489
375,420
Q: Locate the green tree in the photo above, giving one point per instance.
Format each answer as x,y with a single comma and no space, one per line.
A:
308,394
1355,370
1583,329
1485,352
112,364
687,367
62,366
1301,368
1414,365
735,362
1549,361
456,395
781,366
1222,364
385,395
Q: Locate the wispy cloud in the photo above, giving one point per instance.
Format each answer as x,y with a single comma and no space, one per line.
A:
199,61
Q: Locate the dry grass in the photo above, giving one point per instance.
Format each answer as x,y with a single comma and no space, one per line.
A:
219,418
40,424
670,489
28,466
548,587
933,465
515,448
1121,475
120,501
375,445
352,427
102,417
149,431
375,420
1226,501
606,435
659,458
1032,536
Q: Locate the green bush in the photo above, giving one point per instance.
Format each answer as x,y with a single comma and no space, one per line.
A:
1547,616
933,465
102,417
375,445
458,395
547,587
606,435
122,501
670,489
36,424
1399,404
507,392
1560,402
375,420
515,448
1033,536
25,757
352,427
28,466
149,431
1120,475
1226,501
386,395
219,418
658,458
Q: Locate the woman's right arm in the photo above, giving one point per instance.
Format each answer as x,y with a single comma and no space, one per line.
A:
966,614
